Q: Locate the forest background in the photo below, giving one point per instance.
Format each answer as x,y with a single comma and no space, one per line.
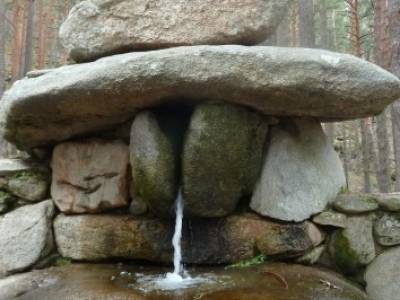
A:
370,29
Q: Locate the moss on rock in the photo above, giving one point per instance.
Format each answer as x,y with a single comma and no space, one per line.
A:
221,158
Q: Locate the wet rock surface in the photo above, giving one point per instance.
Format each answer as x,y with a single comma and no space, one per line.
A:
221,159
215,241
25,236
266,282
301,172
275,81
90,176
96,28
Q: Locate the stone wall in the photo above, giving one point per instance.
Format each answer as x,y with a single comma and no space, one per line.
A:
112,197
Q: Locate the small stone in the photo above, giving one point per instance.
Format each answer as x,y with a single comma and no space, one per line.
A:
24,179
353,248
383,275
387,230
301,172
312,256
355,203
90,176
25,236
222,157
137,207
390,202
330,218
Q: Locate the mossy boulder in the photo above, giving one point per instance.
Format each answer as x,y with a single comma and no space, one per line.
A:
356,203
24,179
353,248
387,229
155,144
222,157
6,201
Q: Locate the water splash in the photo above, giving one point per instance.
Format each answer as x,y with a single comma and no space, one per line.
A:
179,279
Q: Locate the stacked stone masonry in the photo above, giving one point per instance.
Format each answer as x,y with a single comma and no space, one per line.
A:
235,127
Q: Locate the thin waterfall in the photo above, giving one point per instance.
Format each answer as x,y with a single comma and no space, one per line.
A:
176,241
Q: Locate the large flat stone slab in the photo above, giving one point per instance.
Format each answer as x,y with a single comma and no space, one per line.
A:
25,236
96,28
80,99
207,241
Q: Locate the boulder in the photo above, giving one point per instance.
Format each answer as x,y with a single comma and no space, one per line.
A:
97,28
387,230
205,241
24,179
331,218
389,201
90,176
222,156
355,203
383,275
301,172
81,99
25,236
128,282
155,147
353,248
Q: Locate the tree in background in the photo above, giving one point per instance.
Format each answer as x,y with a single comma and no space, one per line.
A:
394,31
382,58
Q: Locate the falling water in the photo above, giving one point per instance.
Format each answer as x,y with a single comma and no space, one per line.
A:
179,279
176,241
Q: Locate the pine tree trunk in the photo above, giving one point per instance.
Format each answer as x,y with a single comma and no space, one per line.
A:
365,155
29,36
394,29
382,57
306,23
283,33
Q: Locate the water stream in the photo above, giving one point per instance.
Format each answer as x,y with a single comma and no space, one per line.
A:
176,242
179,278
